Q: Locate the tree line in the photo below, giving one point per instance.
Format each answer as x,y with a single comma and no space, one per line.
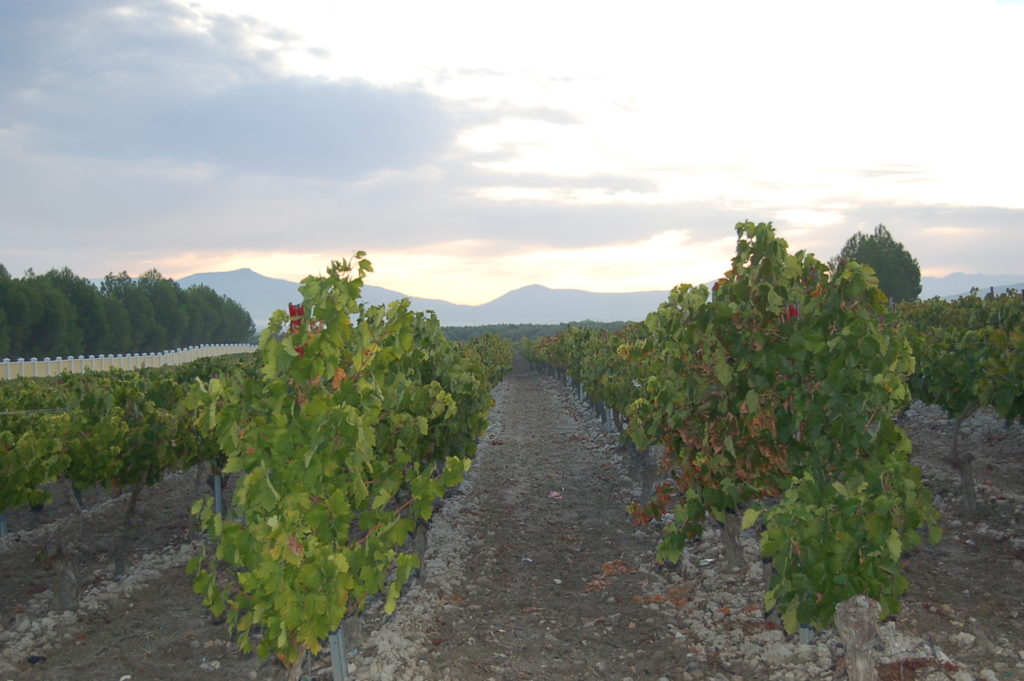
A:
59,314
515,332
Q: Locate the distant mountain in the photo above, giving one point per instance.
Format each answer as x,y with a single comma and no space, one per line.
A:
537,304
258,294
261,295
960,284
534,304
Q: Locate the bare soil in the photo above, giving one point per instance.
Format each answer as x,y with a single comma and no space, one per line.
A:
533,571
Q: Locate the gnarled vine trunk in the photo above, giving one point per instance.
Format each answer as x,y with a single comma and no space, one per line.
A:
63,554
731,540
857,624
127,532
964,463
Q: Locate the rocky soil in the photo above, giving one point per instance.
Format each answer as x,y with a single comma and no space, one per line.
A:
534,571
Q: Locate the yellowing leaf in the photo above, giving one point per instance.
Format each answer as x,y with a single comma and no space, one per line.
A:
752,402
392,601
750,517
789,619
894,544
722,370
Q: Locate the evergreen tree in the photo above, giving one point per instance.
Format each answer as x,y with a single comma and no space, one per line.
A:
90,313
49,326
899,275
61,314
119,329
169,319
5,325
201,304
238,323
141,315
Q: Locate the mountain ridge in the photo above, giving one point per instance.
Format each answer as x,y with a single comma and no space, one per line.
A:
958,284
530,304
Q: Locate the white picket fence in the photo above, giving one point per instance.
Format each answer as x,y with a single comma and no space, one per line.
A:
36,368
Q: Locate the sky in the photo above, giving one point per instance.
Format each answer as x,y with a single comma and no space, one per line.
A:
471,148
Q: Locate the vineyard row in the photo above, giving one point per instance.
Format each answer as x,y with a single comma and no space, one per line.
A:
345,429
772,398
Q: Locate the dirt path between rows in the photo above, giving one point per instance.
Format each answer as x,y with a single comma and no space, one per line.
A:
546,584
533,571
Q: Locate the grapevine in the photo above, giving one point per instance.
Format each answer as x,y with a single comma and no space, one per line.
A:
773,396
358,420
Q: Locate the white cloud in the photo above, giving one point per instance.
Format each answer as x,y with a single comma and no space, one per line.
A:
953,232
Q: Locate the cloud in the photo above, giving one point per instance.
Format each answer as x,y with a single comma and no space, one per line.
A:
156,133
306,128
605,181
955,232
113,210
153,84
940,236
893,171
537,113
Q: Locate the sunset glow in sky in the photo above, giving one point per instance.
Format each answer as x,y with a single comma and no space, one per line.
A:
472,148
